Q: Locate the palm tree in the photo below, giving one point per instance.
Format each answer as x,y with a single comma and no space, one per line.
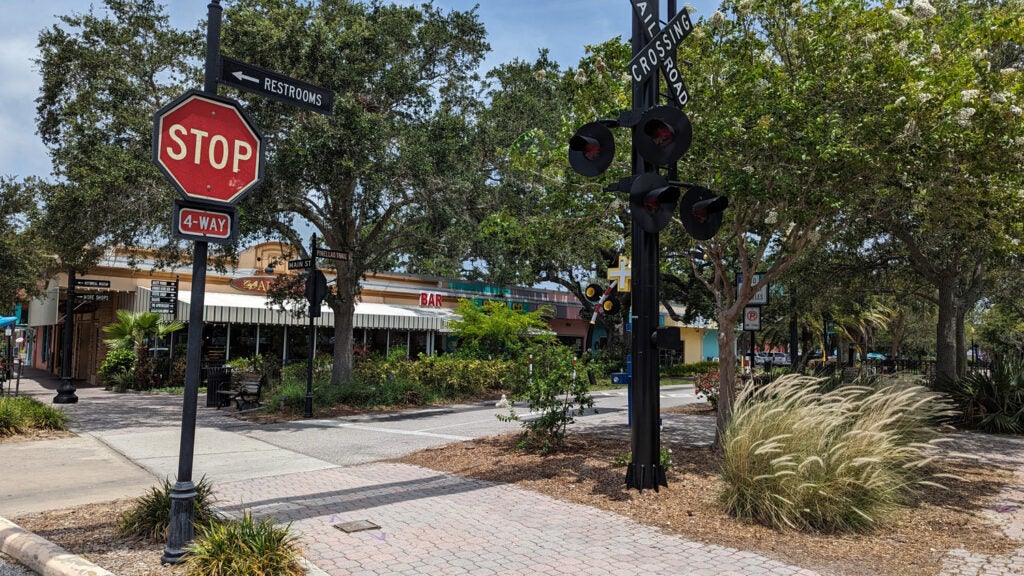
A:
135,331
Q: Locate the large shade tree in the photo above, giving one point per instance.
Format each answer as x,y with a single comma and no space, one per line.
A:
21,257
104,73
393,169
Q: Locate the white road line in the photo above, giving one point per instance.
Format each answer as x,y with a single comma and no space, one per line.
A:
330,424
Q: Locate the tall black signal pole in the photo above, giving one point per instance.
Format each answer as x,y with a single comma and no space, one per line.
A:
645,469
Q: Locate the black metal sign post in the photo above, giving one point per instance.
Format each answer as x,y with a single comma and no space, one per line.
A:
66,389
316,289
307,410
181,529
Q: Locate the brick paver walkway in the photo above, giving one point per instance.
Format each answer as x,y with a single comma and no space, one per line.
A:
437,523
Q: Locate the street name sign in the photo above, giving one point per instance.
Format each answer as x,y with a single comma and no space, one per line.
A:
660,51
165,283
331,254
208,148
276,86
92,283
92,297
300,264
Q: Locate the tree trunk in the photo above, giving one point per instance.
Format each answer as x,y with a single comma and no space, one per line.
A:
945,333
961,339
344,315
726,373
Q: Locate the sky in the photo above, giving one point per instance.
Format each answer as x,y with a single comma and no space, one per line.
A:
515,29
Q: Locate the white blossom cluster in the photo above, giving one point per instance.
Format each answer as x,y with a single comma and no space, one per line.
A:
963,116
899,18
969,95
923,9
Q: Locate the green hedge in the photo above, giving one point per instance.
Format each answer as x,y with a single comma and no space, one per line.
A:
398,381
684,370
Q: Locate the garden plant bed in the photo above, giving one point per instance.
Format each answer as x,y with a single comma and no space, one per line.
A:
912,543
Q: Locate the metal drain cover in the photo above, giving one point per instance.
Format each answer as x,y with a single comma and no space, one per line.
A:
357,526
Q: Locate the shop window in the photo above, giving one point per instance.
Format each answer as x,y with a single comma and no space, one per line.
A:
272,341
298,344
418,344
398,342
242,342
377,342
215,344
325,340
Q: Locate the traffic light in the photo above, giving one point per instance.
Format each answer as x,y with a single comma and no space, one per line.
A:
593,293
591,149
701,212
663,135
652,200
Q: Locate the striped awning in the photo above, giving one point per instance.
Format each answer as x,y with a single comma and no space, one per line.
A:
253,309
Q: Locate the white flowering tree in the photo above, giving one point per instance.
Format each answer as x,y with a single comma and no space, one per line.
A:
778,100
947,151
818,118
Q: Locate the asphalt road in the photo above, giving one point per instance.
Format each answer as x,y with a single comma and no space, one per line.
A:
368,438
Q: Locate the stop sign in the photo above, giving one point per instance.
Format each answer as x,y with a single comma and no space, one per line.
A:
208,148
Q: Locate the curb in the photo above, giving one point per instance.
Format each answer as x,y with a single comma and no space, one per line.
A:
42,556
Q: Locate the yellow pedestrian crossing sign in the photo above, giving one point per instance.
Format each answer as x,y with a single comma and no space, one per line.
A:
623,274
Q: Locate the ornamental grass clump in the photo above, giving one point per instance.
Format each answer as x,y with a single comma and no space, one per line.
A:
149,518
836,461
24,414
244,548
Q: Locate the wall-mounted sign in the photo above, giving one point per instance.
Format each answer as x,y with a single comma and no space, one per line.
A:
431,299
256,284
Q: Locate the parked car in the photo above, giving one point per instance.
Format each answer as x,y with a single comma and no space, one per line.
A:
775,358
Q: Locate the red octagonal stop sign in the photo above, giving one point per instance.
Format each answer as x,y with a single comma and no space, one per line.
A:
208,148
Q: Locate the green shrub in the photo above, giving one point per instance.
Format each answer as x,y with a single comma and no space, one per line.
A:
150,516
685,370
244,548
836,461
993,400
115,364
558,389
705,385
397,381
21,414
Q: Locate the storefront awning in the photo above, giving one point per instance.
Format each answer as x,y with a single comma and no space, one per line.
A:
253,309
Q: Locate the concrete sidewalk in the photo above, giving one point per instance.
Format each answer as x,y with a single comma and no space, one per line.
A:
429,522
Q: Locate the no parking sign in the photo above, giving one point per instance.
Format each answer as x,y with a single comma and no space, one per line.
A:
752,318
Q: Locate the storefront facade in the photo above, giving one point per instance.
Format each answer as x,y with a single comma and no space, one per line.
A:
394,312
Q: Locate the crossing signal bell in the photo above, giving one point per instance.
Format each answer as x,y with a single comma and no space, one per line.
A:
652,200
701,212
663,135
591,149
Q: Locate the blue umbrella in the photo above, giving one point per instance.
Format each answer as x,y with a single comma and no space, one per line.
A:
5,320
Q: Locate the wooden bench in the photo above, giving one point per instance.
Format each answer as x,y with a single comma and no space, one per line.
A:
246,395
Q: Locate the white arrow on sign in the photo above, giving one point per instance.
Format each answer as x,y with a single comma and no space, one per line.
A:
241,76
